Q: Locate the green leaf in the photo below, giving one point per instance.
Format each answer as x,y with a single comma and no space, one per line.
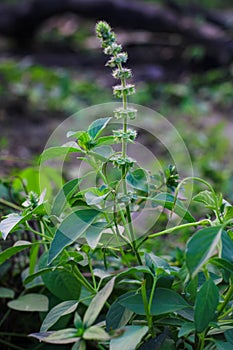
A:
97,126
138,180
93,233
64,195
62,283
95,333
79,345
59,151
186,329
131,337
39,273
103,153
167,200
227,247
164,301
207,198
64,336
200,247
228,213
62,309
97,303
73,227
11,223
117,316
30,302
6,293
205,306
222,345
95,197
154,262
105,140
222,263
135,270
18,247
229,336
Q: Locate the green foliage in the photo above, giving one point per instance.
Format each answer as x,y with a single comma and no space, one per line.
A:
93,280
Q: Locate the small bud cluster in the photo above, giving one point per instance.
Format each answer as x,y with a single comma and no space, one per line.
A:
130,135
123,162
117,59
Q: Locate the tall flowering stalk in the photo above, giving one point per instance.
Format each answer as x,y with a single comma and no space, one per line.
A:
125,135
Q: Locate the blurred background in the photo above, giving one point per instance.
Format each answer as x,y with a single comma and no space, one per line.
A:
51,66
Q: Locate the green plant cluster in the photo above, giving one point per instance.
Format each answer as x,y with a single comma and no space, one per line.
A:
110,290
46,89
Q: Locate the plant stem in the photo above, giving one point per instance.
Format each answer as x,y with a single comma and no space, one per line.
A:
146,307
29,228
10,345
83,280
201,341
10,204
226,300
5,317
92,273
172,229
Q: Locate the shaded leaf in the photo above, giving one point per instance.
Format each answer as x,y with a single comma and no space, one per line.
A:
222,345
6,293
134,270
227,247
186,329
62,283
222,263
117,316
205,306
164,301
30,302
201,247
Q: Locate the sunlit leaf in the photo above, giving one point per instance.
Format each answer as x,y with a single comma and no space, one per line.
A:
8,253
95,333
97,303
57,312
138,180
129,339
97,126
12,222
73,226
167,201
64,195
64,336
